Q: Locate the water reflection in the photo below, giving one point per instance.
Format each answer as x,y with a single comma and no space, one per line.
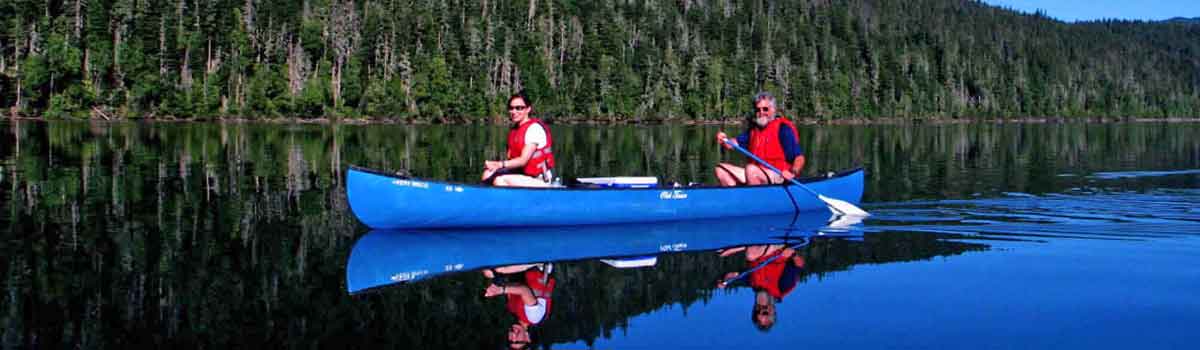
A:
222,235
772,272
519,264
385,257
528,290
563,285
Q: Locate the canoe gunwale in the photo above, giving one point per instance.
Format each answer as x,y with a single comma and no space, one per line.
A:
803,180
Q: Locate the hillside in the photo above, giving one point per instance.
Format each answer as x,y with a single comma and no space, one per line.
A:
610,59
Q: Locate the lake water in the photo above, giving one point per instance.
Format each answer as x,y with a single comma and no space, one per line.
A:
1044,236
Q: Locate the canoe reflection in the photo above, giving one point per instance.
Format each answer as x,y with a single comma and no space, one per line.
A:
436,284
383,258
518,264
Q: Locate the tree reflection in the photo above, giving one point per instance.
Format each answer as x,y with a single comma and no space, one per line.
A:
234,235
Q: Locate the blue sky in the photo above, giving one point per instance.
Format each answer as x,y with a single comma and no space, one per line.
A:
1084,10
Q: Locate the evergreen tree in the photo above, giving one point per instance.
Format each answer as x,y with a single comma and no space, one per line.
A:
617,60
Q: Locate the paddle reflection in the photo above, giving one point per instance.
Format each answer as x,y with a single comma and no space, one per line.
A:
772,271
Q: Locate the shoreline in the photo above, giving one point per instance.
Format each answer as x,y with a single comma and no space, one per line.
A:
611,121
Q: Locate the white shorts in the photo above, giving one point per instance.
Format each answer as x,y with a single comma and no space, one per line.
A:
536,312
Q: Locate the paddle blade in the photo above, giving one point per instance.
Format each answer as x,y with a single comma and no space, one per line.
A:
843,207
840,223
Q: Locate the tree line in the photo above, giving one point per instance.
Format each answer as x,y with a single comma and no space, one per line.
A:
621,60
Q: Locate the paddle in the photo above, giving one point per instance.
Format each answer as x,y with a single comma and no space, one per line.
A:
762,264
836,205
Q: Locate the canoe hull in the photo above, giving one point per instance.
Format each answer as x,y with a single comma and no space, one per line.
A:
383,201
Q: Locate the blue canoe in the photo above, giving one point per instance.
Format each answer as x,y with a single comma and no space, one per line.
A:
384,258
386,201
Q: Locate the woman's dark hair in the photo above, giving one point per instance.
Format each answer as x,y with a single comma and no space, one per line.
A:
532,343
520,95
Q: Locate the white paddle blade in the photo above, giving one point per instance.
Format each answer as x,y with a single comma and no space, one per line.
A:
840,223
843,207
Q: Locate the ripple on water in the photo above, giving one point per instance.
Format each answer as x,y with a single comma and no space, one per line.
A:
1131,174
1162,213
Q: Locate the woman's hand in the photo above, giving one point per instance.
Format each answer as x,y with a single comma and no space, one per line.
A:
493,165
490,167
493,290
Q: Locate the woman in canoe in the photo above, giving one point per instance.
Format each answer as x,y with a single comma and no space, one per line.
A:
529,292
771,137
530,161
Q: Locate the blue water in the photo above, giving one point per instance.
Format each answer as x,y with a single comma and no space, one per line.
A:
169,235
1085,269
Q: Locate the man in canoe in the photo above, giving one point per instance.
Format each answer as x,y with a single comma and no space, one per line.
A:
528,289
771,137
530,161
772,272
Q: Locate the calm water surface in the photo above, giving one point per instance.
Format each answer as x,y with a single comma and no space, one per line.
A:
983,236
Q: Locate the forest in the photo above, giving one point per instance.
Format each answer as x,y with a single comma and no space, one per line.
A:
604,60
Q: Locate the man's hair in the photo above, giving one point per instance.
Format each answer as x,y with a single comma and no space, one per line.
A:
764,96
763,327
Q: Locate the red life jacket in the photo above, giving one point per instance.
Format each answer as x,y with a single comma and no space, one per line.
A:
541,159
764,143
767,277
533,279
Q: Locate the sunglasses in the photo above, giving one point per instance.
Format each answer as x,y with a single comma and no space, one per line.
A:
517,108
764,109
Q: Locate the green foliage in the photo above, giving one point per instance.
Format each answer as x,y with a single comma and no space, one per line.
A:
314,97
611,60
437,92
266,92
352,88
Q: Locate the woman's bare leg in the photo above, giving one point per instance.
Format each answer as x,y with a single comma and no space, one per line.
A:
515,180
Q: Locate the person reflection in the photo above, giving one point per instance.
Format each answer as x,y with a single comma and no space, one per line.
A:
772,272
528,289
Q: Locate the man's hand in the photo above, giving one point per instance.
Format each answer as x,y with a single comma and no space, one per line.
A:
731,251
728,276
721,140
